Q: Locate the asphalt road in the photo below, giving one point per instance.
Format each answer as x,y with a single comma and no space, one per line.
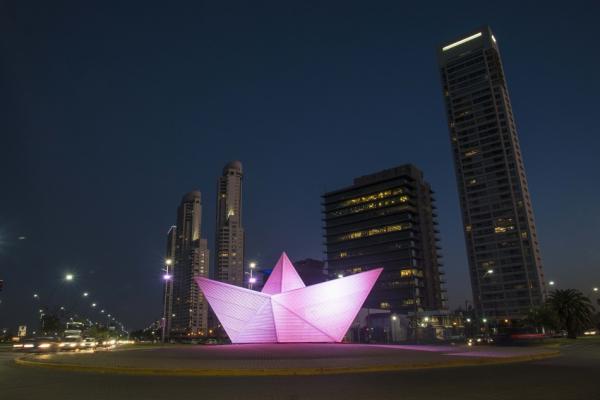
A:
573,375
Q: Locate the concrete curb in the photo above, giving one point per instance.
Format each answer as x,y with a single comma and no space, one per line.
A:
471,362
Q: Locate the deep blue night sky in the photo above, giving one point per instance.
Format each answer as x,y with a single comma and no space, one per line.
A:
109,113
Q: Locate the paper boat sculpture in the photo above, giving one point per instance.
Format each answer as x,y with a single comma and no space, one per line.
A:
286,310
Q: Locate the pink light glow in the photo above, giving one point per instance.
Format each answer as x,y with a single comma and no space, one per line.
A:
252,280
286,310
167,277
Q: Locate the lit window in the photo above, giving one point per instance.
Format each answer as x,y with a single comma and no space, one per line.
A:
471,152
385,305
503,225
372,197
407,272
375,231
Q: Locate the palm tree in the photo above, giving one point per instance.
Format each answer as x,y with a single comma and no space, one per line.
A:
573,309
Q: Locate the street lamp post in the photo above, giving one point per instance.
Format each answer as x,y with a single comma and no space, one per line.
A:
167,279
487,273
252,279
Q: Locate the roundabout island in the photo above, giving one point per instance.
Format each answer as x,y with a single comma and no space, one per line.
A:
280,359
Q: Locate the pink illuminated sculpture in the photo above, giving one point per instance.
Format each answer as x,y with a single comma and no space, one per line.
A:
286,310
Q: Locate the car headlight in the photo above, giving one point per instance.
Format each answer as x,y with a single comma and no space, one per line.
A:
62,345
44,345
28,345
17,346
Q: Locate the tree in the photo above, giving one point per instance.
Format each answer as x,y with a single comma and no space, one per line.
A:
543,317
573,310
51,324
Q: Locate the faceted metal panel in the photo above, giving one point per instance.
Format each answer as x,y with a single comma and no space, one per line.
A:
283,278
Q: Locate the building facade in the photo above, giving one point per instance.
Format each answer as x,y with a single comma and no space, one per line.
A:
502,245
229,238
387,220
189,308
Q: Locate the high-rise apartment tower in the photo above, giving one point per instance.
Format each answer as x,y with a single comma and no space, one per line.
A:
502,245
189,308
229,238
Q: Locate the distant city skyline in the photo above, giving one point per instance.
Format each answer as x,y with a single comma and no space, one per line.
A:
108,120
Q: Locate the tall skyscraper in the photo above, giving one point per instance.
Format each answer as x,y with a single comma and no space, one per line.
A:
502,244
189,308
229,238
387,220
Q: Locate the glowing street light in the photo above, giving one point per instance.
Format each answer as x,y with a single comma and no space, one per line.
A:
36,296
551,283
490,271
167,277
93,305
595,289
252,279
168,261
69,277
85,294
340,276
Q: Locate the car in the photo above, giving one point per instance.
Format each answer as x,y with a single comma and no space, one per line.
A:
479,340
211,341
70,343
591,332
109,343
88,343
37,345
